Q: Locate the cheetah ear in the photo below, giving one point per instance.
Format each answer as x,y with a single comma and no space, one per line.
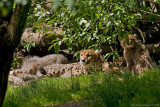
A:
98,52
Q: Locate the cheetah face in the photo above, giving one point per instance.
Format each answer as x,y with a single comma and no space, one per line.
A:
86,57
89,57
132,40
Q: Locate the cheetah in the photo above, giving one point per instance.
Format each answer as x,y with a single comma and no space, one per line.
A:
89,60
32,67
136,55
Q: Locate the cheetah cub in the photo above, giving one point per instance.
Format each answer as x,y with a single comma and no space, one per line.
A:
89,60
136,55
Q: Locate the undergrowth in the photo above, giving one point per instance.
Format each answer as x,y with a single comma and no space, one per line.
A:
97,89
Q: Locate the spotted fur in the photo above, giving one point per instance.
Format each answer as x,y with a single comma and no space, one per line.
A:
89,60
32,67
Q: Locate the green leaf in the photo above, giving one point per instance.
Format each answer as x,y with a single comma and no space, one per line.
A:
151,18
100,24
108,23
108,55
24,41
28,48
76,54
114,42
50,47
91,46
127,39
93,17
50,35
56,48
121,34
115,56
32,44
27,45
82,21
54,41
106,29
98,15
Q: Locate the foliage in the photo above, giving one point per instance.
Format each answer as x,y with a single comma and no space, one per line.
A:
90,23
15,63
97,89
38,16
28,44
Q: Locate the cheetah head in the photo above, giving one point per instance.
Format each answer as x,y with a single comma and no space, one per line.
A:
90,57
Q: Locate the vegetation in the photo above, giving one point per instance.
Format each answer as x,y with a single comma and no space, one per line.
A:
97,89
93,23
85,24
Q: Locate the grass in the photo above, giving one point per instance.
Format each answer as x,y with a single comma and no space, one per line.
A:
97,89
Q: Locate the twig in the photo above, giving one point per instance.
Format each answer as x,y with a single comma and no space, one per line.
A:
147,21
141,33
152,1
141,11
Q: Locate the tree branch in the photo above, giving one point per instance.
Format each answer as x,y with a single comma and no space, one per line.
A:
156,15
153,48
152,1
141,33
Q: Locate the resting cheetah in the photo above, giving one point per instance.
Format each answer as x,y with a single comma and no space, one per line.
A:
89,60
32,67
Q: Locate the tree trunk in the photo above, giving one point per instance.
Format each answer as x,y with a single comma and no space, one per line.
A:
11,28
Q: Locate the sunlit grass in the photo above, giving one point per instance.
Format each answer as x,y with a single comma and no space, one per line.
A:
97,89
